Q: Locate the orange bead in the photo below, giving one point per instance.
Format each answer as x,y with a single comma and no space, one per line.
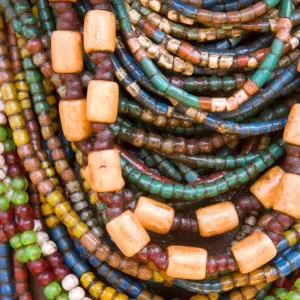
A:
217,219
253,252
75,125
265,187
287,196
128,233
291,132
154,216
105,173
66,51
99,31
186,262
102,101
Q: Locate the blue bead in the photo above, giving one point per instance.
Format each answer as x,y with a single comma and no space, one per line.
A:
284,268
80,268
4,263
64,245
5,249
135,289
7,289
283,244
102,270
70,259
58,232
294,260
94,261
6,275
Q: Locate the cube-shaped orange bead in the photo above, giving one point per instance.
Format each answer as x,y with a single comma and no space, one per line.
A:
265,187
186,262
291,133
128,233
105,171
99,31
287,196
154,216
217,219
253,252
66,51
102,101
75,125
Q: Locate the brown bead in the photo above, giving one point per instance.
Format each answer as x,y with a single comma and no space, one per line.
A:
217,219
291,133
253,252
265,187
186,262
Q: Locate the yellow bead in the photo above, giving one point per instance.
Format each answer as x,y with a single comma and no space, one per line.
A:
256,277
55,181
50,172
62,209
297,228
86,186
239,279
46,164
42,198
121,297
25,103
52,221
35,11
53,112
108,293
213,296
46,209
1,23
227,283
12,107
22,86
54,198
157,277
21,137
79,157
48,85
248,291
55,126
291,237
71,219
199,297
87,278
235,295
93,198
51,99
80,229
9,92
20,76
74,147
96,289
16,122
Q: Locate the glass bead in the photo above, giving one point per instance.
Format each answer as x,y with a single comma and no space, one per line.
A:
21,255
28,237
19,197
19,183
3,188
3,134
38,266
32,252
45,278
70,282
15,241
52,290
4,203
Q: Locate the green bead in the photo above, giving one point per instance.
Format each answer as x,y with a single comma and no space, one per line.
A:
4,203
41,107
3,189
33,76
270,298
292,295
19,197
28,64
277,47
63,296
281,293
9,132
271,3
15,241
9,145
297,284
21,255
32,252
52,290
28,237
19,183
3,134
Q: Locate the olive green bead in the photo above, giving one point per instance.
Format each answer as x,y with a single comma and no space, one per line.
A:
4,203
3,188
297,284
3,134
9,145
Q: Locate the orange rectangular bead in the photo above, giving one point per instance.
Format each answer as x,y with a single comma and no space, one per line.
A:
102,101
75,125
99,31
253,252
291,133
66,51
105,173
128,233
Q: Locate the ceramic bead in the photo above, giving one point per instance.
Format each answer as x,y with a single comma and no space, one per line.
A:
75,124
287,196
42,237
186,262
253,252
70,282
105,171
154,216
48,248
265,187
128,233
102,101
77,293
66,51
99,31
217,219
291,132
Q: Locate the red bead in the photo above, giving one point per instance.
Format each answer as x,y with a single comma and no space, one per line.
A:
55,259
5,217
38,266
45,278
37,213
21,287
27,296
61,272
25,223
3,237
20,274
15,170
10,229
11,157
23,210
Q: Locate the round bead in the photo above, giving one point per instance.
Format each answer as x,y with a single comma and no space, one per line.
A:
3,134
7,181
26,223
63,296
42,237
45,278
4,203
23,210
21,255
38,266
5,217
19,183
77,293
61,272
55,259
2,161
52,290
10,229
3,188
19,197
15,241
28,237
48,248
70,282
32,252
2,148
9,194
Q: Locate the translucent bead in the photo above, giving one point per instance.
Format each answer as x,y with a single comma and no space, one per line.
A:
70,282
42,237
77,293
48,248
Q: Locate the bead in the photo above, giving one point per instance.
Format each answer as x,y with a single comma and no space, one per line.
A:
217,219
38,266
286,198
105,171
75,125
102,101
186,262
253,252
66,51
99,31
28,237
55,259
70,282
128,233
19,183
265,187
48,248
45,278
52,290
61,272
32,252
15,241
154,216
77,293
4,203
291,132
42,237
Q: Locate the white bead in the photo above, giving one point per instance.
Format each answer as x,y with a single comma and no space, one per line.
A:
87,298
2,161
2,106
7,181
2,174
70,282
3,119
2,148
9,194
5,168
37,225
77,293
42,237
48,248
